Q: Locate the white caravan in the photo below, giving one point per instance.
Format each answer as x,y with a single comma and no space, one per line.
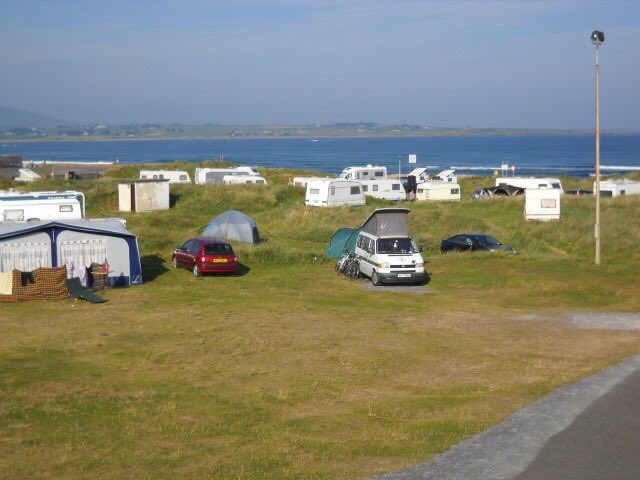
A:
331,192
243,179
438,191
422,175
385,251
542,204
25,206
174,176
384,189
216,175
369,172
615,188
531,182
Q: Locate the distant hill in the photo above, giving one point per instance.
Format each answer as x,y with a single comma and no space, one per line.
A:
14,118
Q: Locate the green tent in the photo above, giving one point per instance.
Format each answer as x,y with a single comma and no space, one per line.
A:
343,241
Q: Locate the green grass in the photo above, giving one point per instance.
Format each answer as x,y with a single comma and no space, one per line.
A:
291,371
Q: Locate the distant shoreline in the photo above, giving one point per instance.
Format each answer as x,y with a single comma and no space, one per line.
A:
313,137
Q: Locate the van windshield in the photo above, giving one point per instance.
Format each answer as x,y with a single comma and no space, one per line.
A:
396,245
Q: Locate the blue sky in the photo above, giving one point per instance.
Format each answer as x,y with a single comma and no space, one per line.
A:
453,63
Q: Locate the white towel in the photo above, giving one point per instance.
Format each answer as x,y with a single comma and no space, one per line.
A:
6,283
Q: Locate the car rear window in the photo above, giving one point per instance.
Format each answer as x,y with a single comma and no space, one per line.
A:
218,249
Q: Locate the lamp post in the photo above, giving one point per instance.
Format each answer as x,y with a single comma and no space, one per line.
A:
597,38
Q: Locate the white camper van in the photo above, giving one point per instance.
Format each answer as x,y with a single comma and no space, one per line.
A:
384,189
174,176
216,175
385,251
331,192
369,172
615,188
243,179
542,204
25,206
530,182
438,191
303,181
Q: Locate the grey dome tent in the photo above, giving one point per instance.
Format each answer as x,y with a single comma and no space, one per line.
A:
233,225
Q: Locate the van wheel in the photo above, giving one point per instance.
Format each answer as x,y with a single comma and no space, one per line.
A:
374,279
175,262
196,271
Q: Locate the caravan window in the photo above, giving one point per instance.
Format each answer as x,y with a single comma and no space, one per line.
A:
16,215
365,188
555,185
66,208
365,174
355,190
542,185
548,203
183,177
379,174
333,190
375,188
314,191
395,186
455,191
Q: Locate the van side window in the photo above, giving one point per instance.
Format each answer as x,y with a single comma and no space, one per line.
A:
355,190
360,241
365,188
372,246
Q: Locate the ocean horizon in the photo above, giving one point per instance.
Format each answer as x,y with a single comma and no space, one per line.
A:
572,155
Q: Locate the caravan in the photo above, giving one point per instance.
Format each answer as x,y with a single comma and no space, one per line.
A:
216,175
364,173
438,191
542,204
174,176
384,189
385,251
332,192
530,182
26,206
243,179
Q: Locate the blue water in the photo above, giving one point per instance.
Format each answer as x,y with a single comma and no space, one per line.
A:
539,154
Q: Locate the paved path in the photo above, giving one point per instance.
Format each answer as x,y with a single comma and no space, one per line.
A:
603,442
586,430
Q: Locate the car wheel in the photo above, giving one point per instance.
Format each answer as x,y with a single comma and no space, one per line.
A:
374,279
175,262
196,271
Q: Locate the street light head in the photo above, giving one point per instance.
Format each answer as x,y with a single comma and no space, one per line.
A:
597,37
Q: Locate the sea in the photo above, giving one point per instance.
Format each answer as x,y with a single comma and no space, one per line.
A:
555,155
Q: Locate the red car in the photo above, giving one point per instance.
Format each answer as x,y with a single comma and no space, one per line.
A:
205,255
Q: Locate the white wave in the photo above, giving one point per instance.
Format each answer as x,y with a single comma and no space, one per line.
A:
619,167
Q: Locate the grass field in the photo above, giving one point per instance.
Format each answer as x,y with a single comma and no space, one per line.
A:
290,371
